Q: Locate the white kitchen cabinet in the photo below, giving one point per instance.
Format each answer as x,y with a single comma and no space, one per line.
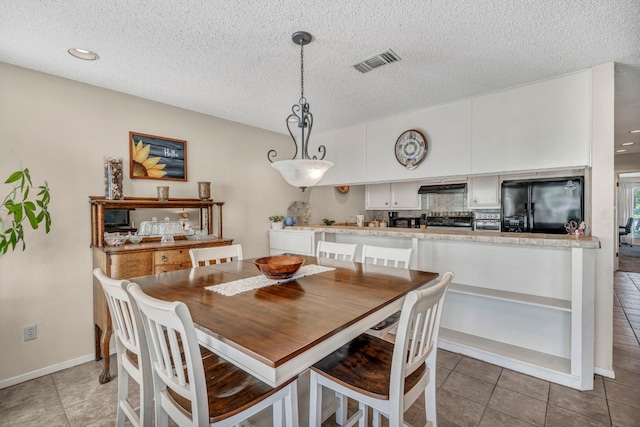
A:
302,242
447,129
393,196
484,192
346,149
542,125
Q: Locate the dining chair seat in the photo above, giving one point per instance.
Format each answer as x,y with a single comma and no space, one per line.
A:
195,387
215,255
386,377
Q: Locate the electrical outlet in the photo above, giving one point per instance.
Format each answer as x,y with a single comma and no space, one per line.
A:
30,332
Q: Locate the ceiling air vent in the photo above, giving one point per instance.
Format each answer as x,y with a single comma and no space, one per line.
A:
377,61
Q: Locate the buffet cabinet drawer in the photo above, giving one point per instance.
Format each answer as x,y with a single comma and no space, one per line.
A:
122,266
173,256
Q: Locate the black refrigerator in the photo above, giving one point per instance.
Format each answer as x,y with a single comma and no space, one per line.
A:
542,206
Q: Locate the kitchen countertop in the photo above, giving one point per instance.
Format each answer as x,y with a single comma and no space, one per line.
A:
432,233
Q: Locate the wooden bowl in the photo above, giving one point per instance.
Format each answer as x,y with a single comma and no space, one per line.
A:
279,267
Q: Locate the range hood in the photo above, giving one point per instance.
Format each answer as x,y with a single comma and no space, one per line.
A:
443,188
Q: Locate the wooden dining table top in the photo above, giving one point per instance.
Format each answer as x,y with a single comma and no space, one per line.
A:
292,324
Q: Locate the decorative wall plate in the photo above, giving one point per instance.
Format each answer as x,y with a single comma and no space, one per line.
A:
411,148
342,189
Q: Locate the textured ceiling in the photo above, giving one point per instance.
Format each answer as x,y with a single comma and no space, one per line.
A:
236,60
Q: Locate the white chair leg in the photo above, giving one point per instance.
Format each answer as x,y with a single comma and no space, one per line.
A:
123,391
291,405
375,421
364,420
315,401
430,402
146,405
278,412
341,413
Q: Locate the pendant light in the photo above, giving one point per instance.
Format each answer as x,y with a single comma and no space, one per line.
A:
306,171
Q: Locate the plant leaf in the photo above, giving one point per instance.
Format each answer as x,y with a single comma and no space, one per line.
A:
14,177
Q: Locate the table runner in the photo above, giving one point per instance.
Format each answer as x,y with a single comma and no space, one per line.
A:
257,282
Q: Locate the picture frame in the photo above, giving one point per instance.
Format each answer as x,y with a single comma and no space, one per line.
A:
157,157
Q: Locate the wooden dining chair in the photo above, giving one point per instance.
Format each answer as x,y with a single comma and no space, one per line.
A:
215,255
131,352
333,250
387,377
391,257
195,387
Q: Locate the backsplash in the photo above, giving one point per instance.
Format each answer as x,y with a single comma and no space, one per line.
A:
447,202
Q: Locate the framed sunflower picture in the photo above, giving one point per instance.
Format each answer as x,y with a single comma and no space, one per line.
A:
157,157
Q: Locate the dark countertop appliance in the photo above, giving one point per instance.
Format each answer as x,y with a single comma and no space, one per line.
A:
404,222
458,220
542,206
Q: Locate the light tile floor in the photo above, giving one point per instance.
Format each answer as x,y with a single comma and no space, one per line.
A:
470,392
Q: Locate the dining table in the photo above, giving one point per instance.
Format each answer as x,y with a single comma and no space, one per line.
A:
277,331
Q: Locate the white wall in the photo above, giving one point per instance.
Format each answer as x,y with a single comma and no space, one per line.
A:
61,130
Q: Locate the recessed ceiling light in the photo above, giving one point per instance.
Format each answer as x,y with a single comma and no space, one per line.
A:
627,143
635,131
83,54
621,151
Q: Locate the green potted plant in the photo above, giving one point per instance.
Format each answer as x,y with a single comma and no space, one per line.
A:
276,221
18,206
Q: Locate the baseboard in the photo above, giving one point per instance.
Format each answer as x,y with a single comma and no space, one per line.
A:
49,369
605,372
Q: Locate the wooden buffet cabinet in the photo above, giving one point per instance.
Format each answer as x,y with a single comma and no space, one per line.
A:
142,259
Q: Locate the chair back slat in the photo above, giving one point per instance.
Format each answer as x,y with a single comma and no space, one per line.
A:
215,255
339,251
390,257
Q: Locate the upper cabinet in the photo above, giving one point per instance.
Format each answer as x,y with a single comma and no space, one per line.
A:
447,129
399,195
537,126
484,192
346,149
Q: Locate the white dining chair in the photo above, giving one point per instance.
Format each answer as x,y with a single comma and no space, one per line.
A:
131,352
195,387
387,377
389,257
215,255
339,251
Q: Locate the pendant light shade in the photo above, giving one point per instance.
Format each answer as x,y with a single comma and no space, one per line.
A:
306,171
302,173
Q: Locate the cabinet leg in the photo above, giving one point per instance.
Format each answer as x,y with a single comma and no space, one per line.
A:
105,337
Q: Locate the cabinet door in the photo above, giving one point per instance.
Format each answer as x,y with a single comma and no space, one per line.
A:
542,125
484,192
405,195
132,264
342,144
378,196
291,241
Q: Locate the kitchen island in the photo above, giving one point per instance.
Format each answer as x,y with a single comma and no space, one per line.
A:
523,301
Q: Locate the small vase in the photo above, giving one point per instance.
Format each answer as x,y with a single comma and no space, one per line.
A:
204,190
113,178
277,225
163,193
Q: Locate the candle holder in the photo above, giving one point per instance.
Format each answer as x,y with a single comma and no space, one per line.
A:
163,193
204,190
